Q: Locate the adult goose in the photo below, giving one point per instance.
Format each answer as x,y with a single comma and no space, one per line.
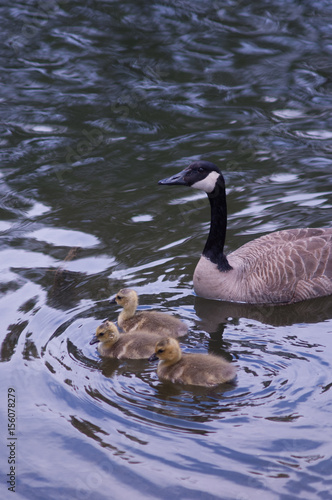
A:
279,268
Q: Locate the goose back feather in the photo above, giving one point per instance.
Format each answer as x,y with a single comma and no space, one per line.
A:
282,267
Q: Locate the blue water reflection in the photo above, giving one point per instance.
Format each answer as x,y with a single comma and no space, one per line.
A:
98,101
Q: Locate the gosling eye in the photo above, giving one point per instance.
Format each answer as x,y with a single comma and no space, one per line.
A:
118,297
101,334
160,351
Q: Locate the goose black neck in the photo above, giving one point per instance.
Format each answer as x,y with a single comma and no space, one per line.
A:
214,246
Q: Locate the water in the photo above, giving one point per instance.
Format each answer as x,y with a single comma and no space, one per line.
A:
100,100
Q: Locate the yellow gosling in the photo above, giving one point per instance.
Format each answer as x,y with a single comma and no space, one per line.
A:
112,344
131,320
192,369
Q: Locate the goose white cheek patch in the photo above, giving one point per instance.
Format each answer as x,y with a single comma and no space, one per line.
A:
207,184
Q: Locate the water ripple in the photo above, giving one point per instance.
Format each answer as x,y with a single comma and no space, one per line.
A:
98,100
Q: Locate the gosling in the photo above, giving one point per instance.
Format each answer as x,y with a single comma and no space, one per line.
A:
190,369
111,344
131,320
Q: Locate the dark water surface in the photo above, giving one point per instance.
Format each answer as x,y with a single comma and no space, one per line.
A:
98,101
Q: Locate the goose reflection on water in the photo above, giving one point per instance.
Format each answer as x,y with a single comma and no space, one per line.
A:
215,314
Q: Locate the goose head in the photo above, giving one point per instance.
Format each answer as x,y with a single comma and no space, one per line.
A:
107,332
126,297
167,350
202,175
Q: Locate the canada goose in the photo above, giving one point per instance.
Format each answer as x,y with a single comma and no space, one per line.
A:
157,322
112,344
277,268
191,369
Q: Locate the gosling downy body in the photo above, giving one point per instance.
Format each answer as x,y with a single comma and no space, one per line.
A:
131,320
190,369
112,344
278,268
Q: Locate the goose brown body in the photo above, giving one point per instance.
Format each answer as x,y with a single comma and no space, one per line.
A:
112,344
190,369
278,268
131,320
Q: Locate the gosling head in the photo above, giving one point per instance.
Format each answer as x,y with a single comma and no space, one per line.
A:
167,350
126,297
107,332
202,175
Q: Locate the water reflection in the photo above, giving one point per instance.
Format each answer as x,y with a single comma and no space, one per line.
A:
97,100
214,315
11,340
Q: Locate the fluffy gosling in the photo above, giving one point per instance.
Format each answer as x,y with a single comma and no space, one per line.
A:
131,320
190,369
111,344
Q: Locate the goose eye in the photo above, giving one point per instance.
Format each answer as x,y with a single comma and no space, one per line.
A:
200,169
